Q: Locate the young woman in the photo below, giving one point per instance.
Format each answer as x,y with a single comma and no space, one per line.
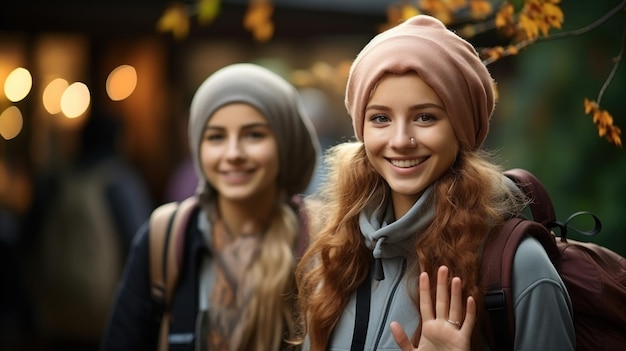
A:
253,150
394,261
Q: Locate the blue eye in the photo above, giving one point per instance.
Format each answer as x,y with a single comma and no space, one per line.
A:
425,117
379,119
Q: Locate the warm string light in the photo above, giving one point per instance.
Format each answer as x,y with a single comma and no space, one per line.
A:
59,96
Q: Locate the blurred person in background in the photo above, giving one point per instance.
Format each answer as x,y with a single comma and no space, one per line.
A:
77,234
254,151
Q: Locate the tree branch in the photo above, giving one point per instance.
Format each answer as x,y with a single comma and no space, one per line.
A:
587,28
616,63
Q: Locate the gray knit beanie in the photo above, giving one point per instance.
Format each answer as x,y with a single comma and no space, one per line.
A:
278,101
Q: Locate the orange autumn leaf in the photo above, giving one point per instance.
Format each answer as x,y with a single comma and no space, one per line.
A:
408,11
512,50
528,26
443,10
258,20
604,122
480,8
505,21
176,20
540,16
397,14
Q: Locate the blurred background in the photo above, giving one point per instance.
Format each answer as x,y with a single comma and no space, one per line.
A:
93,117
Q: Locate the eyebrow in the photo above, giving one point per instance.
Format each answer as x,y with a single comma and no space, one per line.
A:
244,127
414,107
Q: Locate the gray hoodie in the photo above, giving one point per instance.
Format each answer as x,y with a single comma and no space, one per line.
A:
543,311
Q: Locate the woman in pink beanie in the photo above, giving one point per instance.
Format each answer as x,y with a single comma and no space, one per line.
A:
394,261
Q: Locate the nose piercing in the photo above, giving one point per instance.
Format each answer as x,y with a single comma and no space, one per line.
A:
412,140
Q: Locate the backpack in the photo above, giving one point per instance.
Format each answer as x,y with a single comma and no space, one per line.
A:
168,225
595,276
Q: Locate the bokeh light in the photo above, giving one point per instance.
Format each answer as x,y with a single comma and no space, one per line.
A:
75,100
18,84
121,82
52,95
11,122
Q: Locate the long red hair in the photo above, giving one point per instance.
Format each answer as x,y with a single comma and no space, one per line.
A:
470,200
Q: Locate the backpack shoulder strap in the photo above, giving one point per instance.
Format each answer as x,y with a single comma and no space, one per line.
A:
168,224
499,253
160,227
497,277
303,219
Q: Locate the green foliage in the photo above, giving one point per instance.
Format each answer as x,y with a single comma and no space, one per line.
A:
540,123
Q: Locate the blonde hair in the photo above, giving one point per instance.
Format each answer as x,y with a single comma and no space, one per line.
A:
270,318
469,201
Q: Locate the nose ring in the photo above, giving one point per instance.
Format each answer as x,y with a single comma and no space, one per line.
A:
412,140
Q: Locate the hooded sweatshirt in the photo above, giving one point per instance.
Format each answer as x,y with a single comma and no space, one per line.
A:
543,310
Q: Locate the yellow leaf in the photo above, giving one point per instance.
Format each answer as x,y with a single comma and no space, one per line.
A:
614,136
597,116
512,50
408,11
553,15
529,26
604,122
480,9
590,105
504,16
208,10
439,9
175,19
258,20
263,32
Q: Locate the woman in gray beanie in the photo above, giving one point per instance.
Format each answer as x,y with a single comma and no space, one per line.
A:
254,151
408,206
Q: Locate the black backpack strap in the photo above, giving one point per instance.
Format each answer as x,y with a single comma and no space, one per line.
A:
362,317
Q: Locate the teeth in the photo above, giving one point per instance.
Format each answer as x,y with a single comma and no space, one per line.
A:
407,163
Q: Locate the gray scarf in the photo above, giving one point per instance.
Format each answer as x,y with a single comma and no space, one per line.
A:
388,237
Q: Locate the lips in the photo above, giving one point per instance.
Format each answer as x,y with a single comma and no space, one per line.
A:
407,163
238,176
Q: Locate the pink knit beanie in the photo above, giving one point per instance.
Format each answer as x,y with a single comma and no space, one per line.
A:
446,62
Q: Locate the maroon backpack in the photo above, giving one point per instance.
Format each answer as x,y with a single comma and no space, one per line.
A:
595,276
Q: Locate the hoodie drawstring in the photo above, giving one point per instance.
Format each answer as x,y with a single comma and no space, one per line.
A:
379,273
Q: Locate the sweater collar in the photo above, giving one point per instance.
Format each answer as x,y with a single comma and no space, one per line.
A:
388,237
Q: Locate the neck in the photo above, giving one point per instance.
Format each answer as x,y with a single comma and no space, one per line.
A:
249,216
402,203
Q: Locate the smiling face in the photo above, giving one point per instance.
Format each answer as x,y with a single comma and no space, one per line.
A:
239,154
408,137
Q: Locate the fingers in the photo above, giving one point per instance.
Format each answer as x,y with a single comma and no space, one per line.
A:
442,304
400,336
449,299
426,305
451,324
456,301
470,317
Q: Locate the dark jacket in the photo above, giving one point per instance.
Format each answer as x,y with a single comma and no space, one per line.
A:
134,320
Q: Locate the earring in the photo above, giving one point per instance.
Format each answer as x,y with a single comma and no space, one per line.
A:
412,141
